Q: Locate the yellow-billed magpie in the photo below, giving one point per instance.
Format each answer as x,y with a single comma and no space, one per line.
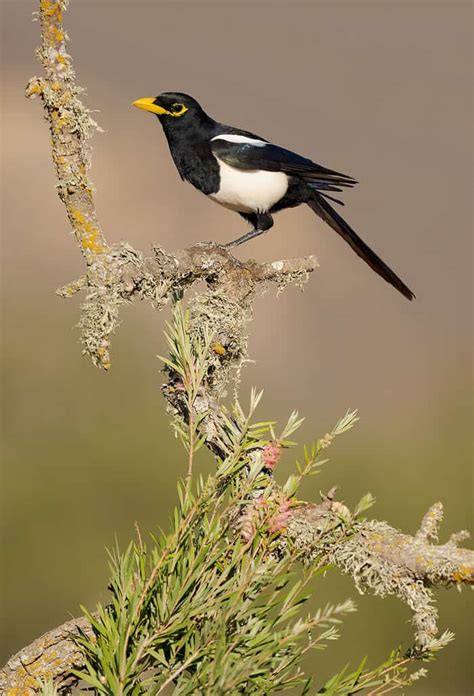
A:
253,177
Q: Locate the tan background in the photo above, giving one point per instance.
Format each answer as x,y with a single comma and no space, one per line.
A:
380,90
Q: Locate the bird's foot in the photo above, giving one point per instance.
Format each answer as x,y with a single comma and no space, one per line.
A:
244,238
211,243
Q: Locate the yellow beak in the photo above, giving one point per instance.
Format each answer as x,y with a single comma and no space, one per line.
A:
148,104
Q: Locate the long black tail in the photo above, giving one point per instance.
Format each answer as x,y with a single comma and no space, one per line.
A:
327,213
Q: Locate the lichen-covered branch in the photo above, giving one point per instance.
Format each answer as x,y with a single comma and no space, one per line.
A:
378,557
52,656
385,561
70,126
122,274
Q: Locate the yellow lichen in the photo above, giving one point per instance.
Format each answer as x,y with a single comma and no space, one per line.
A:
58,34
58,122
88,234
463,574
36,88
218,348
51,9
103,355
375,536
28,683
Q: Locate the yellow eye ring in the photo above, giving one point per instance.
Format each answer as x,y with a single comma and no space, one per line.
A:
178,109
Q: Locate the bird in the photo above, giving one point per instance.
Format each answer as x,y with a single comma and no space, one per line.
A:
248,174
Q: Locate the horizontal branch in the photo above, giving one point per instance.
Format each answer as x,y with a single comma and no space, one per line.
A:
434,564
121,274
383,560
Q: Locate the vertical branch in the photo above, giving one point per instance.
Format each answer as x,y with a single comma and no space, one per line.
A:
70,126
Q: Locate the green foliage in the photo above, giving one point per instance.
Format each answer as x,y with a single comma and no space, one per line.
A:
215,606
393,674
202,609
47,688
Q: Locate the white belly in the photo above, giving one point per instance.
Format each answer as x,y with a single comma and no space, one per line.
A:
251,190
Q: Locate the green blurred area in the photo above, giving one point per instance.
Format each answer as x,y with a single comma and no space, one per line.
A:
87,454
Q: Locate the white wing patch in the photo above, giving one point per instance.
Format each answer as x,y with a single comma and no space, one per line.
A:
233,138
248,190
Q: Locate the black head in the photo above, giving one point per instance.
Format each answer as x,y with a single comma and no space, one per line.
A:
172,108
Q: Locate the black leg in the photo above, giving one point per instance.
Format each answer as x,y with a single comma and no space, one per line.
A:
244,238
263,224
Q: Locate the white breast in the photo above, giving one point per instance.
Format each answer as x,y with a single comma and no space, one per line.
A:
248,190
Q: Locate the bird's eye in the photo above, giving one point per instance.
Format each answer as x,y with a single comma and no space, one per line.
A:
178,109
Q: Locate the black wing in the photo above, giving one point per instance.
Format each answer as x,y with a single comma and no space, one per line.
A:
262,155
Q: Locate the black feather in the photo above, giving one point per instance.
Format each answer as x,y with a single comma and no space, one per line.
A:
278,159
325,211
331,198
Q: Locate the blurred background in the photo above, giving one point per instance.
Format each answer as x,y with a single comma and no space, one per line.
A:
380,90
